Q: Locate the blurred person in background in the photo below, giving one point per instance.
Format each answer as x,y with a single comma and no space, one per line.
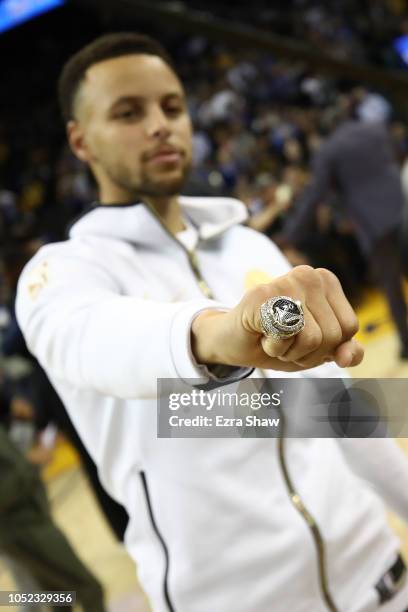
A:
34,549
358,163
148,286
267,208
404,231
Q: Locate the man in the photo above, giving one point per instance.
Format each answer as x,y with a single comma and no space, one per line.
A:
357,161
152,285
36,549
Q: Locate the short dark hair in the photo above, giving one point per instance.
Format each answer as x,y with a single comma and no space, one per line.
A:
103,48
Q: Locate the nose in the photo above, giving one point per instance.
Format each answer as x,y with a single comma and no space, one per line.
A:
156,123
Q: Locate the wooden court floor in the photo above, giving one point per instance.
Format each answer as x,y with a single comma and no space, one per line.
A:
76,512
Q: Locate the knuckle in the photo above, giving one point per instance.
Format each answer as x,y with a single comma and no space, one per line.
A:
351,326
261,292
281,286
334,335
303,269
256,296
307,276
312,340
328,277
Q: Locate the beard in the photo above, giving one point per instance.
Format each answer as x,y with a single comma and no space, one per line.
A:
148,185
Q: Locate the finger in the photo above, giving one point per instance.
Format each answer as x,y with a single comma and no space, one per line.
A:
274,347
310,352
340,323
342,308
306,341
349,354
278,365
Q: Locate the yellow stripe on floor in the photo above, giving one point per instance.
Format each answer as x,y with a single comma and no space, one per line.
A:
374,316
65,458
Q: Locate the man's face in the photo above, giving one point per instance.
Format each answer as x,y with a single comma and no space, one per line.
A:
132,127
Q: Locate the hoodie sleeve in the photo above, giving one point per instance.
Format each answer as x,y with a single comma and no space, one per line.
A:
383,465
85,333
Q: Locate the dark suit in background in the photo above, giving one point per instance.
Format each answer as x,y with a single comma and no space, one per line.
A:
357,161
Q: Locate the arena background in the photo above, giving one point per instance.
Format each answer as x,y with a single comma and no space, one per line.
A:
264,84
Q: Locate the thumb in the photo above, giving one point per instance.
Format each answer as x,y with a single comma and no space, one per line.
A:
349,354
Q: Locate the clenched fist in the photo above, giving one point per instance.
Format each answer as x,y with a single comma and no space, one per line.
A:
236,337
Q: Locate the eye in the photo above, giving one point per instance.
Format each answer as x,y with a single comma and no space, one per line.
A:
173,110
127,114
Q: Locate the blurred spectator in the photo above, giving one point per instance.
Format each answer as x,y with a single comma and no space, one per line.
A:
357,161
267,208
39,552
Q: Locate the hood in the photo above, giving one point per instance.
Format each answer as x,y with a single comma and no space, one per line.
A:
133,222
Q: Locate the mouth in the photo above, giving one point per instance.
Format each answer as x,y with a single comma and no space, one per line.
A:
165,155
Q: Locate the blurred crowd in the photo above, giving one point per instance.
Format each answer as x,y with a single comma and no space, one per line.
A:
258,123
354,30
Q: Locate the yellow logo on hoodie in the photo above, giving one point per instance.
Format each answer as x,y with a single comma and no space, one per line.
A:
256,277
38,279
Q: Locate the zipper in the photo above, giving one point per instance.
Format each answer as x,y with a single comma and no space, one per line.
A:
294,496
191,256
162,542
308,518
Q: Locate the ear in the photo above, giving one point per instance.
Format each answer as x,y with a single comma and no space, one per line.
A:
77,142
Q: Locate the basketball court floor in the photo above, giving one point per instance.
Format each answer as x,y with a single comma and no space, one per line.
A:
76,512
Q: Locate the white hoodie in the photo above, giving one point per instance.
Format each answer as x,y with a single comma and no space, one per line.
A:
213,526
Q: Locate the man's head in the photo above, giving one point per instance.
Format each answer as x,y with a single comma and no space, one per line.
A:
127,117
